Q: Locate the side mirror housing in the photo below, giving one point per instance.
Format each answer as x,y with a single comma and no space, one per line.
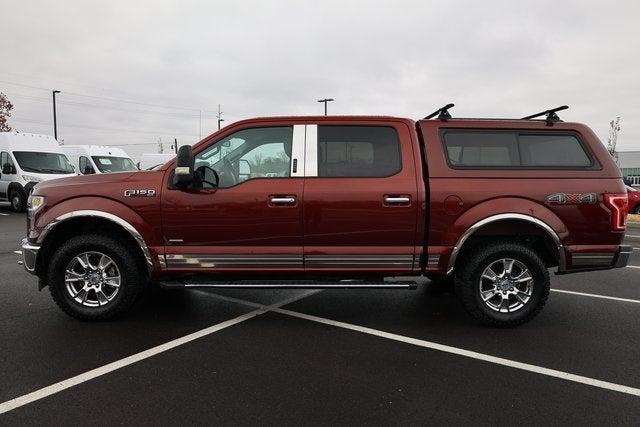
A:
183,173
6,169
88,170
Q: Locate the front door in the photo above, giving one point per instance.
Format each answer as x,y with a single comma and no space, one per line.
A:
360,199
248,214
7,174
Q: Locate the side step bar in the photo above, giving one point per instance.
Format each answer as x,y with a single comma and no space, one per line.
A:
288,284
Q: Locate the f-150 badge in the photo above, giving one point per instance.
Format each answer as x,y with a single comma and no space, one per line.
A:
139,193
572,199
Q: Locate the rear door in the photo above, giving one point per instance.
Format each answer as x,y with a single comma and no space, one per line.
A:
360,198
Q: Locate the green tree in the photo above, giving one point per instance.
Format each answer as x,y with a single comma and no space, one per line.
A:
5,112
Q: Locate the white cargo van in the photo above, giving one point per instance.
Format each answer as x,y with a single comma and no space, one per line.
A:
25,160
90,159
152,160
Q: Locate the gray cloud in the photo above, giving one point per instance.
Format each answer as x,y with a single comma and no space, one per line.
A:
256,58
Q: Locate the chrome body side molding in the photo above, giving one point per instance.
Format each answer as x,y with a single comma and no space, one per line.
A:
506,216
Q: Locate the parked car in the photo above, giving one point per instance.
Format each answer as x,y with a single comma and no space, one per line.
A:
634,200
90,159
328,202
152,160
26,159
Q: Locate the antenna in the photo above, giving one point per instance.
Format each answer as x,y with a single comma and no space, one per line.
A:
442,113
552,117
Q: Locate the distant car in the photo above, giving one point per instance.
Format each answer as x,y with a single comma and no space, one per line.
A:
634,200
90,159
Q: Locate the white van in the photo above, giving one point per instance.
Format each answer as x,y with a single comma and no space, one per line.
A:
25,160
90,159
152,160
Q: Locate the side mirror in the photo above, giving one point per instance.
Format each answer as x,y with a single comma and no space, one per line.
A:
183,173
6,169
88,170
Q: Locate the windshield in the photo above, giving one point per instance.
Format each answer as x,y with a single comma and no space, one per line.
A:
114,164
31,161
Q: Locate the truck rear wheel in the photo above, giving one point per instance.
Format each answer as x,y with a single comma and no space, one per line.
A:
94,277
502,284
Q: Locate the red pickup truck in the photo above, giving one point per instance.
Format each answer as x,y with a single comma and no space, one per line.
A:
337,202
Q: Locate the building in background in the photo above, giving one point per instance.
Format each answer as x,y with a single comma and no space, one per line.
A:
629,163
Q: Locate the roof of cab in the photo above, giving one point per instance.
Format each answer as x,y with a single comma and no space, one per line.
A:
18,141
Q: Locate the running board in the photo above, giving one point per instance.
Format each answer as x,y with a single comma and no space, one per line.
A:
288,284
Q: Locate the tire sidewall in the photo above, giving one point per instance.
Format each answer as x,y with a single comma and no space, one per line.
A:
129,277
540,283
17,200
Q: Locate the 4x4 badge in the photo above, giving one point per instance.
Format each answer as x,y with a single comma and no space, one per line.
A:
572,199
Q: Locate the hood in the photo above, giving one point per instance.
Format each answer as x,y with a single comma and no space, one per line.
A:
75,180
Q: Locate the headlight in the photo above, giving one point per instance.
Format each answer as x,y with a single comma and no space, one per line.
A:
35,202
31,178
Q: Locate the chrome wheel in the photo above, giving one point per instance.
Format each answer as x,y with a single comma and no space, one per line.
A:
92,279
506,285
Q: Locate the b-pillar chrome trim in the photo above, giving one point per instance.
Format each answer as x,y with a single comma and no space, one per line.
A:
506,216
99,214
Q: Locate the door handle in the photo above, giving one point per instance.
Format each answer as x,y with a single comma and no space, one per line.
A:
283,200
397,200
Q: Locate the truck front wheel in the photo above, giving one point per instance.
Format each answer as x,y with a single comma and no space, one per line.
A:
94,277
502,284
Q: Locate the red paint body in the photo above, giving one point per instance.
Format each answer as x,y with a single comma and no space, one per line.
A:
634,200
347,216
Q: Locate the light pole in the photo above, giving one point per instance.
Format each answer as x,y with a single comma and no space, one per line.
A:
219,116
55,123
326,100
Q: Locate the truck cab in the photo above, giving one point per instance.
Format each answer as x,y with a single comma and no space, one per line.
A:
92,159
25,160
490,205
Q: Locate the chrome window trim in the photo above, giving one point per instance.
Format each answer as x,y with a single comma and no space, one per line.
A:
100,214
311,151
297,151
550,231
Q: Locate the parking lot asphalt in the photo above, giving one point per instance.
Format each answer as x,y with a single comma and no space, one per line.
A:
335,356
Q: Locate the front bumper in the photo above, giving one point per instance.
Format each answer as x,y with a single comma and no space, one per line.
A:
29,255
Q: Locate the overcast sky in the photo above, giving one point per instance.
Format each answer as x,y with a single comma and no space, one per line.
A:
169,60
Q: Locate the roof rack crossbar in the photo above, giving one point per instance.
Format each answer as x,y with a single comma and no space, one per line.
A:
442,113
552,117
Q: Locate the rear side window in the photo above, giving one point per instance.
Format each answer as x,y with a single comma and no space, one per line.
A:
512,149
552,150
358,151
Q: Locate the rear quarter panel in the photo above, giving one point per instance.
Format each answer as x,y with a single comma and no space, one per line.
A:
480,193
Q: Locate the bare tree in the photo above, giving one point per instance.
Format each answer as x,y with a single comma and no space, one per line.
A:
614,128
5,112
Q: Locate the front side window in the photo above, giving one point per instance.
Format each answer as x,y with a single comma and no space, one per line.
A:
84,166
486,149
53,163
6,164
247,154
114,164
358,151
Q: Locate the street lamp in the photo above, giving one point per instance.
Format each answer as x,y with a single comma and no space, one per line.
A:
55,123
325,101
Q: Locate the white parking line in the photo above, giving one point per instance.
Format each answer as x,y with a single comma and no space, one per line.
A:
633,236
633,266
562,291
452,350
4,214
94,373
470,354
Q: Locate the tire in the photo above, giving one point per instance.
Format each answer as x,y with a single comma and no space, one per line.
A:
524,298
636,211
92,304
18,201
